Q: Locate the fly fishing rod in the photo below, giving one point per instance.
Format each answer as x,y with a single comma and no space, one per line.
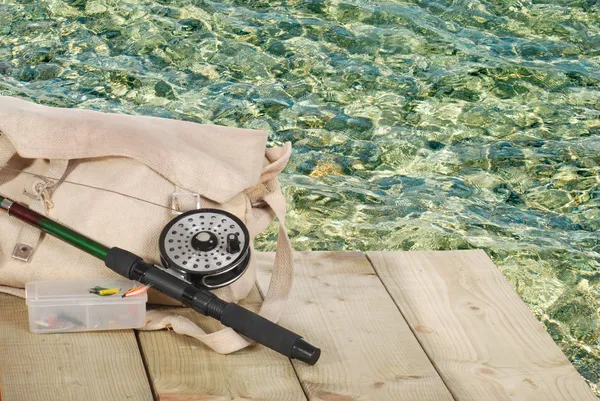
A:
200,250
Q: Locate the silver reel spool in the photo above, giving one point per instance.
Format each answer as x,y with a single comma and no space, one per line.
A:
210,248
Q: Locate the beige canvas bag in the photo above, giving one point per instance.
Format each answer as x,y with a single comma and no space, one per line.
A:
115,178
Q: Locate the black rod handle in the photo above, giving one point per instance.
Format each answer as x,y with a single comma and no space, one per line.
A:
243,321
269,334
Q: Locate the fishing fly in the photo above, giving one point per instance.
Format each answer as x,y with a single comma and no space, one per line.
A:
140,290
103,292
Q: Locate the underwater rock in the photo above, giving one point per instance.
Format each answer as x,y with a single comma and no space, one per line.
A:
326,167
4,68
475,117
29,74
340,36
360,124
190,24
297,89
284,30
550,199
79,4
434,145
122,78
365,151
95,7
166,12
510,197
398,153
337,123
179,50
39,55
573,311
316,6
278,48
48,71
590,219
272,106
163,89
306,167
350,13
505,154
111,34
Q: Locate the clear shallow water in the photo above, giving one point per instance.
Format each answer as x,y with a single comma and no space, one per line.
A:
416,125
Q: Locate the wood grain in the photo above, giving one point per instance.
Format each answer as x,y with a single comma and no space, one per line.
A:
75,366
368,350
483,339
183,369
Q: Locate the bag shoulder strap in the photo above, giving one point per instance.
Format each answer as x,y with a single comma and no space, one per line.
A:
7,150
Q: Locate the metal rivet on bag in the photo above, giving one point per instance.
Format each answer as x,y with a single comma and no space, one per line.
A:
22,252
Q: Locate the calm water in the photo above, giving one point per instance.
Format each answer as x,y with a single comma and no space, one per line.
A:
416,125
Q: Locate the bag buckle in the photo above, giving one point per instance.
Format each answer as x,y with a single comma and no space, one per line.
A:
176,203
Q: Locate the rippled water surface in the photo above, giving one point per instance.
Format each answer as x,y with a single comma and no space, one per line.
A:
416,125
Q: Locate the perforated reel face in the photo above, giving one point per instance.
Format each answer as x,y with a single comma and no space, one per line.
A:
210,247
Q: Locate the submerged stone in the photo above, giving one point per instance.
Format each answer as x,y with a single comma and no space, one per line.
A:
163,89
360,124
4,68
435,145
190,24
48,71
29,74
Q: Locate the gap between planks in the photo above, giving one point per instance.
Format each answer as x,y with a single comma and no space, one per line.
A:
412,330
482,338
143,356
181,368
262,297
368,350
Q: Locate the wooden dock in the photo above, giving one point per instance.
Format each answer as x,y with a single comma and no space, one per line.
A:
419,326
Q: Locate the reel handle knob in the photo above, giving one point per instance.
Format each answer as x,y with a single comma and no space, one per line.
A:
233,244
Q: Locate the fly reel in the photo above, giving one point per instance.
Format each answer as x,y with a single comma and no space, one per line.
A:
210,248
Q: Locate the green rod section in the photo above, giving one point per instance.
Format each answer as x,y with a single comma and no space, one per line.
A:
57,230
79,241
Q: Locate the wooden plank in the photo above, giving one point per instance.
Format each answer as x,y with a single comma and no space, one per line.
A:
75,366
183,369
368,350
483,339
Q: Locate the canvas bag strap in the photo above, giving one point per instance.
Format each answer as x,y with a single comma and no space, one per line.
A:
7,150
282,278
227,340
37,195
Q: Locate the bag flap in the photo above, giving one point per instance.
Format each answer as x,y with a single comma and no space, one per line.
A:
218,161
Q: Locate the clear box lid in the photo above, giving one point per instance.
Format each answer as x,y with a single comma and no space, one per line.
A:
69,292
